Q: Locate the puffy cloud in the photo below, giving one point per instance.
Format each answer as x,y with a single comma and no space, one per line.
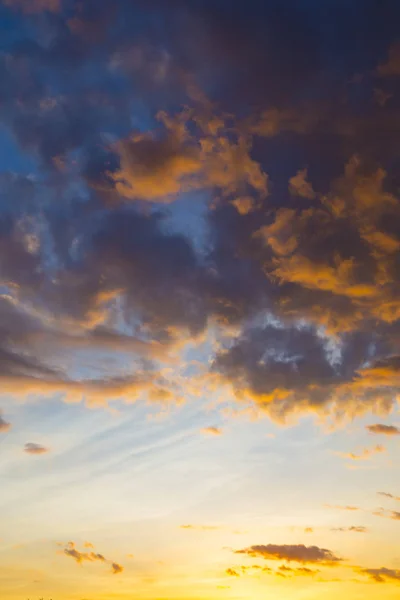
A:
387,514
380,428
81,557
382,575
116,568
32,448
159,168
299,186
297,553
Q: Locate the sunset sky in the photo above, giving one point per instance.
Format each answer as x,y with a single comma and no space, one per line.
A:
199,299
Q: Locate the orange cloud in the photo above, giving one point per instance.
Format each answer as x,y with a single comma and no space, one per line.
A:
299,186
297,553
80,557
382,575
365,454
32,448
200,527
158,166
353,528
4,425
212,430
232,573
379,428
387,495
392,67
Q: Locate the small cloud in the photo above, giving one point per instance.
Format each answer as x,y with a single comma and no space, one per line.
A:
381,97
4,425
211,430
382,575
232,573
116,568
339,507
299,186
32,448
293,552
130,556
81,557
200,527
392,66
394,515
353,528
308,530
380,428
365,454
387,495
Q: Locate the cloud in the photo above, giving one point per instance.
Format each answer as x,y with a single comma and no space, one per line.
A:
212,430
365,454
34,6
387,514
382,575
81,557
232,573
348,508
392,67
299,186
4,425
352,528
32,448
200,527
387,495
297,553
116,568
379,428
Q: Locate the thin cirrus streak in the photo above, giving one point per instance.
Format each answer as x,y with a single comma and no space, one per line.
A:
199,299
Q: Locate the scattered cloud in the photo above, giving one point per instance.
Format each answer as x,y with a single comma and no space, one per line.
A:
365,454
348,508
32,448
298,553
212,430
382,575
387,495
352,528
232,573
380,428
200,527
387,514
81,557
4,425
299,186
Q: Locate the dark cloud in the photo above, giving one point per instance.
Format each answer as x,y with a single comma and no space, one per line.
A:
382,575
81,557
258,124
380,428
387,495
4,425
35,449
297,553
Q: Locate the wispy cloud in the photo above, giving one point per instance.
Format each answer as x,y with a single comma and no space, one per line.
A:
297,552
212,430
81,557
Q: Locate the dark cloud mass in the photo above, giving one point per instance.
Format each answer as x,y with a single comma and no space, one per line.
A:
297,553
173,173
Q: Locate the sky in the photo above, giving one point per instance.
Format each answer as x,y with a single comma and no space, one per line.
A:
199,299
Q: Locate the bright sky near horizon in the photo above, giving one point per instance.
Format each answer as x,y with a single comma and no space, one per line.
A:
199,300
